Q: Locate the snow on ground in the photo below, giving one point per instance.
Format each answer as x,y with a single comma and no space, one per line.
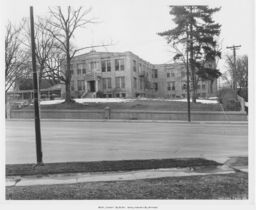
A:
203,101
103,100
57,101
123,100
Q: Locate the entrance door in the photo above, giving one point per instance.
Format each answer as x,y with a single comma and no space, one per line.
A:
92,86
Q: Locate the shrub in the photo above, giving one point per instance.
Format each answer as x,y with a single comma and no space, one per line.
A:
227,97
99,94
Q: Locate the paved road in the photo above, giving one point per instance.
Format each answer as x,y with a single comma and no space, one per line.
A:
65,141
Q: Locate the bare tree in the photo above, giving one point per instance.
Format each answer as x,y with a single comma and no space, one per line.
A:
46,46
16,61
54,73
63,24
241,73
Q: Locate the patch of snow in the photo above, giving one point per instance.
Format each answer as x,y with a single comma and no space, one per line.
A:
213,98
203,101
103,100
123,100
52,102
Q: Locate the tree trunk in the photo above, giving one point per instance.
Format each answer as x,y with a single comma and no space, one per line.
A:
211,88
68,74
192,66
192,60
68,95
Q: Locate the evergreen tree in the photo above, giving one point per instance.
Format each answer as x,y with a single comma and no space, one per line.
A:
195,33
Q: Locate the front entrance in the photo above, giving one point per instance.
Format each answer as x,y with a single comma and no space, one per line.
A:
92,86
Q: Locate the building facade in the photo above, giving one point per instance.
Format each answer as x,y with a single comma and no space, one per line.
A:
110,74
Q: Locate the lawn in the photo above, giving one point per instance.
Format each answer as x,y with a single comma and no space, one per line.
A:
225,186
139,104
104,166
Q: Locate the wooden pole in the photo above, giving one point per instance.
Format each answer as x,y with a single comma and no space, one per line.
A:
39,153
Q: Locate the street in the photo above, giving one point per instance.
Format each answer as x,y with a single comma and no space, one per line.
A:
66,141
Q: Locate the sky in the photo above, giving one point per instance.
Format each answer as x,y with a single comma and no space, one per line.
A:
132,25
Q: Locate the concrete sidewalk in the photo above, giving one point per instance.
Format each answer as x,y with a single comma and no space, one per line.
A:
138,121
111,176
73,178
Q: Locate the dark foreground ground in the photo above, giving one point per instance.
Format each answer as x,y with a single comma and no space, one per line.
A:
215,186
226,186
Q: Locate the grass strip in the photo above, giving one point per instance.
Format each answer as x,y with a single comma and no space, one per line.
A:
225,186
135,105
104,166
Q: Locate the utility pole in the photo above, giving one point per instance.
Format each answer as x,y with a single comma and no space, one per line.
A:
39,153
234,48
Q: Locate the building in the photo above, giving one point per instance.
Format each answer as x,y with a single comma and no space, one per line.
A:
116,74
173,82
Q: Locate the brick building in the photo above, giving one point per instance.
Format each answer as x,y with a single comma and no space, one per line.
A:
126,75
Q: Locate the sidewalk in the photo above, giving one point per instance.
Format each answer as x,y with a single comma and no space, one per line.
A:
72,178
139,121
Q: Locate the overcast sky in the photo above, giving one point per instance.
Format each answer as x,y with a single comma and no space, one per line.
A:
132,25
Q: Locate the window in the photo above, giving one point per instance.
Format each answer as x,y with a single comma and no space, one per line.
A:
141,83
106,83
119,64
105,65
184,86
108,65
171,86
93,65
109,83
168,86
155,86
135,82
134,66
117,95
172,74
120,82
203,86
140,68
155,73
80,85
168,74
198,86
81,69
123,95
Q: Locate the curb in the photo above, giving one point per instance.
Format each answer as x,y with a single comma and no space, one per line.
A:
138,121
